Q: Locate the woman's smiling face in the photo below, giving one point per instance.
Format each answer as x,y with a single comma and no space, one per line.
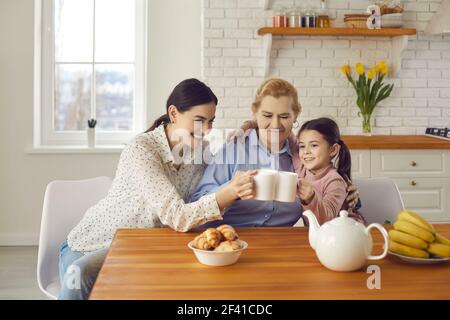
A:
275,118
193,124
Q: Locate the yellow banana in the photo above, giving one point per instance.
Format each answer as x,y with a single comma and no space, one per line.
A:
439,249
412,229
416,219
441,239
407,251
407,239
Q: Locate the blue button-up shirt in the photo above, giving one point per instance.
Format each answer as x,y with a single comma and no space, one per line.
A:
249,155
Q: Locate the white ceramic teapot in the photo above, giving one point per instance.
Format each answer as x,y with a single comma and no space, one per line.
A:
343,244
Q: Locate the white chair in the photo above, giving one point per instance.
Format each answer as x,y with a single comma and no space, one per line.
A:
65,203
380,198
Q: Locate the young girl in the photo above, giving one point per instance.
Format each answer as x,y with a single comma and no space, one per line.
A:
323,185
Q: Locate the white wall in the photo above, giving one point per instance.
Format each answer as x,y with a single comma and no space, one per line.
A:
234,59
174,54
174,48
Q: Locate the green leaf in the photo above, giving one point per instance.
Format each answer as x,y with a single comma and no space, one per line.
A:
385,95
385,92
374,91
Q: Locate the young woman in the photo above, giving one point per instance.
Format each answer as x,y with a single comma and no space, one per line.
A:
151,188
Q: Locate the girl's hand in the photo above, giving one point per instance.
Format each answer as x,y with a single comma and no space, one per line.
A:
242,185
305,191
243,131
353,196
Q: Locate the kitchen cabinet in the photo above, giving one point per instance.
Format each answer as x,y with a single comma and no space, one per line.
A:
360,163
419,165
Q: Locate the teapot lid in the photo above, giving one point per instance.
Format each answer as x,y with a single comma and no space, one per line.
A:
343,220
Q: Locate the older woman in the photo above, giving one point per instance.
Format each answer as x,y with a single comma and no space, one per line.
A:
275,110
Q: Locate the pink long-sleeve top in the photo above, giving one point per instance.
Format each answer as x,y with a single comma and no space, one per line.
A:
330,190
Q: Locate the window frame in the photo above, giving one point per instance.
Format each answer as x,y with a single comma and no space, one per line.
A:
44,133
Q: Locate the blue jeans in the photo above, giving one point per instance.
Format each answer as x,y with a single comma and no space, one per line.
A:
78,272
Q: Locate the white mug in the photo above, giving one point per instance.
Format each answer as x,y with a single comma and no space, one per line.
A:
287,186
275,185
266,184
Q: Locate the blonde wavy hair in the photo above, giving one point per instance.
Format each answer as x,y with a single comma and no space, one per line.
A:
277,88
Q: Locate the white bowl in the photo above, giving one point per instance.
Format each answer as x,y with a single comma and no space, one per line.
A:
218,258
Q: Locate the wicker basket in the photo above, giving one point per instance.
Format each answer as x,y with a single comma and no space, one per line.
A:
356,20
387,10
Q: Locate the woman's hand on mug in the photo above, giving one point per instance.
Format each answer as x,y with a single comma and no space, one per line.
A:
242,184
305,191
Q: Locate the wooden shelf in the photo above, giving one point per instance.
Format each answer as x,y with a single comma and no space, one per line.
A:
385,32
399,39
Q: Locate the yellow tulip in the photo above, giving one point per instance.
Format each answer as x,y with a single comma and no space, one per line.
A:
384,70
371,73
381,65
345,69
360,68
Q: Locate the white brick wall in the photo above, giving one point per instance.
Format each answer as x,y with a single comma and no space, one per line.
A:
233,66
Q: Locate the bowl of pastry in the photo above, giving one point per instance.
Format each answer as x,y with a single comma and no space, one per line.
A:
219,246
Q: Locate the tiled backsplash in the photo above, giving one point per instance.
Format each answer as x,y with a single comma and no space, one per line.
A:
233,62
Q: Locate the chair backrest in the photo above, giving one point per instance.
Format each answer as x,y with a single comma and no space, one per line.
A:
380,198
65,203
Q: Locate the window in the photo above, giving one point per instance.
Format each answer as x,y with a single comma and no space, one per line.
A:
93,55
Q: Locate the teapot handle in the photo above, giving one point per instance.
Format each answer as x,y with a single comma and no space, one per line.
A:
386,241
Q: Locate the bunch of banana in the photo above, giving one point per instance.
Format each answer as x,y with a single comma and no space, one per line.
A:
413,236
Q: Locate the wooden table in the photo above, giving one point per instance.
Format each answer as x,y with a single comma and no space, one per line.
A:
278,264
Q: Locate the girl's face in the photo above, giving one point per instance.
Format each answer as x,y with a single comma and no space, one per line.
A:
193,124
315,152
275,118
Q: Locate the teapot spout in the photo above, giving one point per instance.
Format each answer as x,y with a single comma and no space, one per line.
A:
313,227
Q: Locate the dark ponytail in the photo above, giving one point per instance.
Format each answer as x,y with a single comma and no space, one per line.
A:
344,162
163,119
187,94
330,131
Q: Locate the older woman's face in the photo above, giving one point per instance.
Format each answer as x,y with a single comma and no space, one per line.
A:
275,118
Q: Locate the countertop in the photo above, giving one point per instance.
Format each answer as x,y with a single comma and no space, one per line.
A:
395,142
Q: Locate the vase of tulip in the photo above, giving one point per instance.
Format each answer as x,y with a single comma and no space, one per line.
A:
370,90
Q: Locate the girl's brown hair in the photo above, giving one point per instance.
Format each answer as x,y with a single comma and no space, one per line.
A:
277,88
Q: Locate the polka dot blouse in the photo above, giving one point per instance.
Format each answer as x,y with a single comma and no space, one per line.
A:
147,192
